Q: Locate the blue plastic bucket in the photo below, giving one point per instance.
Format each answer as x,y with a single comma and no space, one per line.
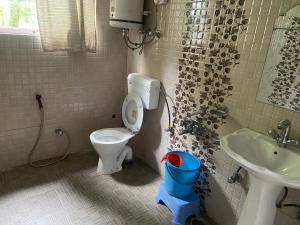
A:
179,181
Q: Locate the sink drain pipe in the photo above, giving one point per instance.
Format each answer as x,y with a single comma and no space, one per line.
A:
236,177
280,204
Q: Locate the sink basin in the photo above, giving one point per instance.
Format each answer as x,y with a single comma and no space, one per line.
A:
270,168
262,156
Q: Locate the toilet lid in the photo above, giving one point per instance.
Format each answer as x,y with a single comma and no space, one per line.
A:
133,112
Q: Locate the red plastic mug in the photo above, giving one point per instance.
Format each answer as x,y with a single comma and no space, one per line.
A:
173,158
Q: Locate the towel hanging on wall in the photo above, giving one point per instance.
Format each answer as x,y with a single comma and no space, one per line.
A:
68,25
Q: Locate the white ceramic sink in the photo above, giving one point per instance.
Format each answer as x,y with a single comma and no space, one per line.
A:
270,168
261,155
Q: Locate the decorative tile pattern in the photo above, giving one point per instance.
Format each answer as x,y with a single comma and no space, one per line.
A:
161,60
210,38
288,70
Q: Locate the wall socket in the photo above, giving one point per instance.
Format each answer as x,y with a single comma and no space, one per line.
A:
160,2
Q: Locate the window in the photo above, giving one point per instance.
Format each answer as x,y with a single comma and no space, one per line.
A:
18,17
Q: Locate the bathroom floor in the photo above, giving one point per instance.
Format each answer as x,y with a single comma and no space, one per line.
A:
72,193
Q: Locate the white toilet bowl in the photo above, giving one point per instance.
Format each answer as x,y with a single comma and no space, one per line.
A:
110,143
111,146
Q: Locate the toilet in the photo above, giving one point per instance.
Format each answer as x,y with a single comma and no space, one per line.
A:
111,143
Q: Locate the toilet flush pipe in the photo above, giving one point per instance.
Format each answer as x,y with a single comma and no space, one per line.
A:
59,132
166,96
167,104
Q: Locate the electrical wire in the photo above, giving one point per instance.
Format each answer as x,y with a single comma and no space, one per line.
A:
127,43
148,37
134,45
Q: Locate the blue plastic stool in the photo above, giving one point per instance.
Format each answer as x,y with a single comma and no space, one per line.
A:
182,208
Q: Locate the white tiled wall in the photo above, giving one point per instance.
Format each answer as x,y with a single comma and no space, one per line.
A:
161,60
80,92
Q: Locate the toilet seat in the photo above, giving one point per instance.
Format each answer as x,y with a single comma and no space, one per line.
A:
132,115
133,112
110,136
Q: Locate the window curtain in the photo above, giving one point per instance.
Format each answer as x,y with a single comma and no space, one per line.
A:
68,25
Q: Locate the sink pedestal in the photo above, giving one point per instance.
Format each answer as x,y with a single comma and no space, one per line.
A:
260,205
270,168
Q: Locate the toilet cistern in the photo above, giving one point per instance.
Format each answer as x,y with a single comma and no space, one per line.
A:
111,143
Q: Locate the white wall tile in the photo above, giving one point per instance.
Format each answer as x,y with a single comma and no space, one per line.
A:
80,92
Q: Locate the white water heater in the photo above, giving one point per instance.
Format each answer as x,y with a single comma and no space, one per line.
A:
126,13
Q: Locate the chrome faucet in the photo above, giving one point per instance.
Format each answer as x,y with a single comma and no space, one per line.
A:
192,125
282,138
221,111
